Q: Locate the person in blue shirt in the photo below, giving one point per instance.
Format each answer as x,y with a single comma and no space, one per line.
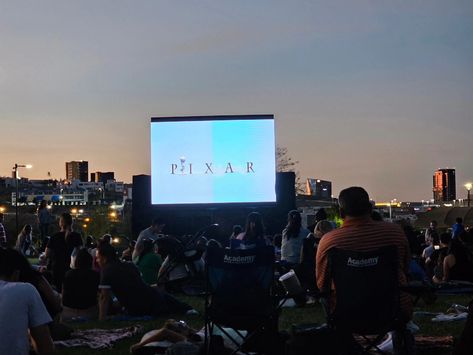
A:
458,227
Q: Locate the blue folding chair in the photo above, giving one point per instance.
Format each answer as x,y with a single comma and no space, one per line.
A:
238,296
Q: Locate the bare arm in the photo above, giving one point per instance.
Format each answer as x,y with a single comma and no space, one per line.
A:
53,300
138,249
321,261
448,263
104,303
161,335
42,342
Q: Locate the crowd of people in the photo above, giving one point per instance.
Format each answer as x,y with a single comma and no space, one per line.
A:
447,255
89,280
76,281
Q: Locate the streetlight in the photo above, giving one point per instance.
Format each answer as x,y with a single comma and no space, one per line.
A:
15,169
468,187
393,201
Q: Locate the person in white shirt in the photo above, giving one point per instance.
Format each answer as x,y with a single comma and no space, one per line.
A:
21,310
24,240
152,232
292,238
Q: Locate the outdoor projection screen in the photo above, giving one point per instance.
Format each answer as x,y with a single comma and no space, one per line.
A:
212,160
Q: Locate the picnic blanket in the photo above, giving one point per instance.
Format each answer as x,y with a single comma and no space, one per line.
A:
423,344
99,338
430,343
455,313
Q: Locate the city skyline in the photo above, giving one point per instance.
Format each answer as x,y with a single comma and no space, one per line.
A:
370,94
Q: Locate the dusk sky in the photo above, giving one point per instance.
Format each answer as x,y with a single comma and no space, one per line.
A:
371,93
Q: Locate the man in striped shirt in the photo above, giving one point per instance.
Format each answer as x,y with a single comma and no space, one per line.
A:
360,233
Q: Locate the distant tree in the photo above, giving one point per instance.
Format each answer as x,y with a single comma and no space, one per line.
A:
285,163
99,222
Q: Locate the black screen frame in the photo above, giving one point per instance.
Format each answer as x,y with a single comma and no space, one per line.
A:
214,205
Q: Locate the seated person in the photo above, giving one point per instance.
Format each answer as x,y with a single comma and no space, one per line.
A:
236,230
128,252
28,274
136,297
253,236
434,264
90,243
432,240
458,264
149,262
292,238
21,312
153,232
360,233
173,331
24,240
80,288
308,252
106,239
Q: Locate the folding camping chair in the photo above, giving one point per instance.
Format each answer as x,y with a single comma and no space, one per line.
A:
238,296
367,295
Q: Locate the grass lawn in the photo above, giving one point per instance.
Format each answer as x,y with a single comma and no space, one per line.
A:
289,316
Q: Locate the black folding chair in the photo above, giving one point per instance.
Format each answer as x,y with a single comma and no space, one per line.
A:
367,295
239,297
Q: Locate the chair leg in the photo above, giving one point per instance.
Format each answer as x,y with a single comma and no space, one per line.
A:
373,344
403,342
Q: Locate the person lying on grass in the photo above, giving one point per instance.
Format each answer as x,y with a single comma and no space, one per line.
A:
173,331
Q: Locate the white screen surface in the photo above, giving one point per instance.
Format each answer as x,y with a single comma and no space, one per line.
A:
205,161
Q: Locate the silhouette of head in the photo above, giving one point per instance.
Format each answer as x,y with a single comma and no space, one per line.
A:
354,202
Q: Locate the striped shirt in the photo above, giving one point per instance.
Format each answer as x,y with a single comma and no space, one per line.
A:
364,234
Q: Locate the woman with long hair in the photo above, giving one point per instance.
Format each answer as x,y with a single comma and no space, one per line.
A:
253,235
458,264
292,238
24,240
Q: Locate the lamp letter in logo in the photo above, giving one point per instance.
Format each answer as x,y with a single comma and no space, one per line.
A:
229,169
183,164
249,167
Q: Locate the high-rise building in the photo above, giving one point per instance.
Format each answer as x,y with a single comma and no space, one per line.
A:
77,170
102,177
444,185
320,189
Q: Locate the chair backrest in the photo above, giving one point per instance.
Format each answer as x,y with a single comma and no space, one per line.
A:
366,289
240,281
